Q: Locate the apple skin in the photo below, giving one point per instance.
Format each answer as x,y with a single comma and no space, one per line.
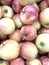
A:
45,30
7,26
15,35
3,62
6,2
18,61
43,5
28,51
44,18
34,62
16,6
42,42
17,21
0,12
36,25
9,49
5,11
26,2
44,60
28,33
2,36
29,14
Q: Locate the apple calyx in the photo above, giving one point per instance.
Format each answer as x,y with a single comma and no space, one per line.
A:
42,43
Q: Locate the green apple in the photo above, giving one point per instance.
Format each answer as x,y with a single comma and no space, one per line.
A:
7,11
3,62
42,42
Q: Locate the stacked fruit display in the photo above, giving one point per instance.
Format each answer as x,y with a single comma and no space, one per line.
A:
24,32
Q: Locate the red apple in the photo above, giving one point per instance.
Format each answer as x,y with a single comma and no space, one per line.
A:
0,12
28,50
17,21
29,14
18,61
16,6
28,33
16,35
44,60
6,2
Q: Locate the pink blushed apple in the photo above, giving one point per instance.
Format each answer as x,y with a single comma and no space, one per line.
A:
44,60
0,12
7,26
16,35
16,6
28,50
29,14
18,61
28,33
17,21
6,2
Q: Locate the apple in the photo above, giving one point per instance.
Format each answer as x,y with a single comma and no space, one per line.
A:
28,50
34,62
42,42
5,11
2,36
3,62
6,2
15,35
0,12
9,49
28,33
18,61
44,18
29,14
43,5
26,2
41,52
44,60
7,26
36,25
45,30
35,4
16,6
17,21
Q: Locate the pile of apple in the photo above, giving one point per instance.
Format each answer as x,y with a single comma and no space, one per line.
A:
24,32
